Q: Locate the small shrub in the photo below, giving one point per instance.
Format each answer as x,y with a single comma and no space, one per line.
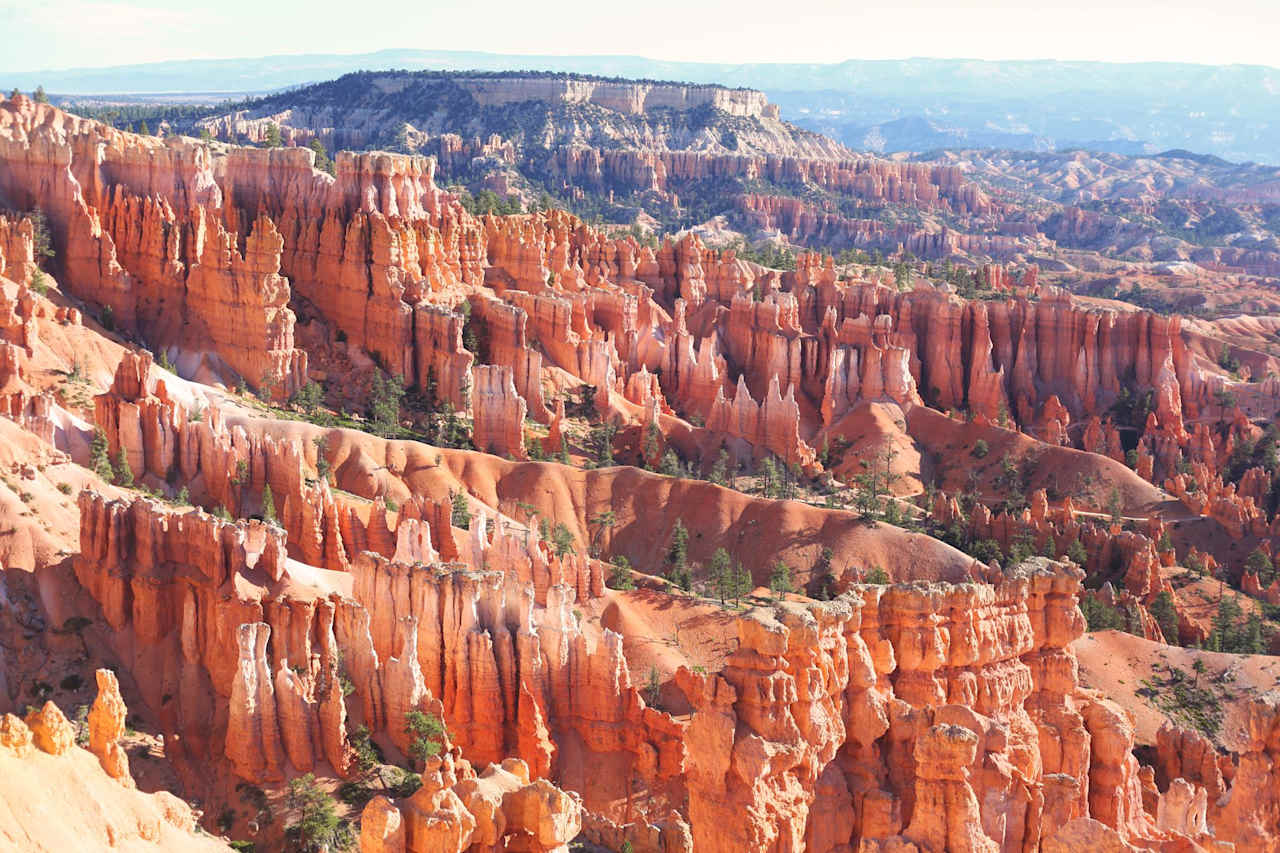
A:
980,449
876,575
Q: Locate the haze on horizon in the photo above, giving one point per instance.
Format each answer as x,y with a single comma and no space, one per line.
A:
61,34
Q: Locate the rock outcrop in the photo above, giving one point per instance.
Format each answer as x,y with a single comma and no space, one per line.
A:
56,796
106,727
457,810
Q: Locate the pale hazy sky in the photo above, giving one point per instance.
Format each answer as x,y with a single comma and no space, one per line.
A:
52,34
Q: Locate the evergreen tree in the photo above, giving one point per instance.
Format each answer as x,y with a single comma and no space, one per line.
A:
720,470
1162,610
651,450
271,139
323,163
385,394
1115,507
123,473
721,575
562,542
678,571
768,477
317,826
780,580
742,583
39,96
620,574
653,688
268,504
1259,562
460,516
308,398
99,456
143,129
822,575
426,733
42,243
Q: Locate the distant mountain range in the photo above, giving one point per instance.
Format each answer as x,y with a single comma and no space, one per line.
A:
1232,111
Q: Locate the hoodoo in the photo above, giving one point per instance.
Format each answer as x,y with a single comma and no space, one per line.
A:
614,465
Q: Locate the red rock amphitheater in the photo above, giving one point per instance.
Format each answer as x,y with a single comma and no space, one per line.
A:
280,588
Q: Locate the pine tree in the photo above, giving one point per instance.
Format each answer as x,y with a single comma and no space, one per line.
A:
562,540
123,473
318,826
1166,616
385,394
268,504
1115,506
742,583
143,129
620,574
780,580
720,470
460,516
323,163
99,456
678,557
427,735
768,477
652,448
721,574
271,139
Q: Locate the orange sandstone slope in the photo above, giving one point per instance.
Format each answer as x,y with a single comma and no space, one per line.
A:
282,597
58,796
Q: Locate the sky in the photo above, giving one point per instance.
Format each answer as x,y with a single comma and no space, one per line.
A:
57,34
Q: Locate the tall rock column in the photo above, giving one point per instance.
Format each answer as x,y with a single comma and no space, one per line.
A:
106,727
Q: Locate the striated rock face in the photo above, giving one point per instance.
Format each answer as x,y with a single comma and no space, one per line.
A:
945,716
909,716
213,252
498,412
937,704
1244,810
137,226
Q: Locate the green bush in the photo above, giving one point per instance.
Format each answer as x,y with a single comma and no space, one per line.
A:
427,735
620,574
317,826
